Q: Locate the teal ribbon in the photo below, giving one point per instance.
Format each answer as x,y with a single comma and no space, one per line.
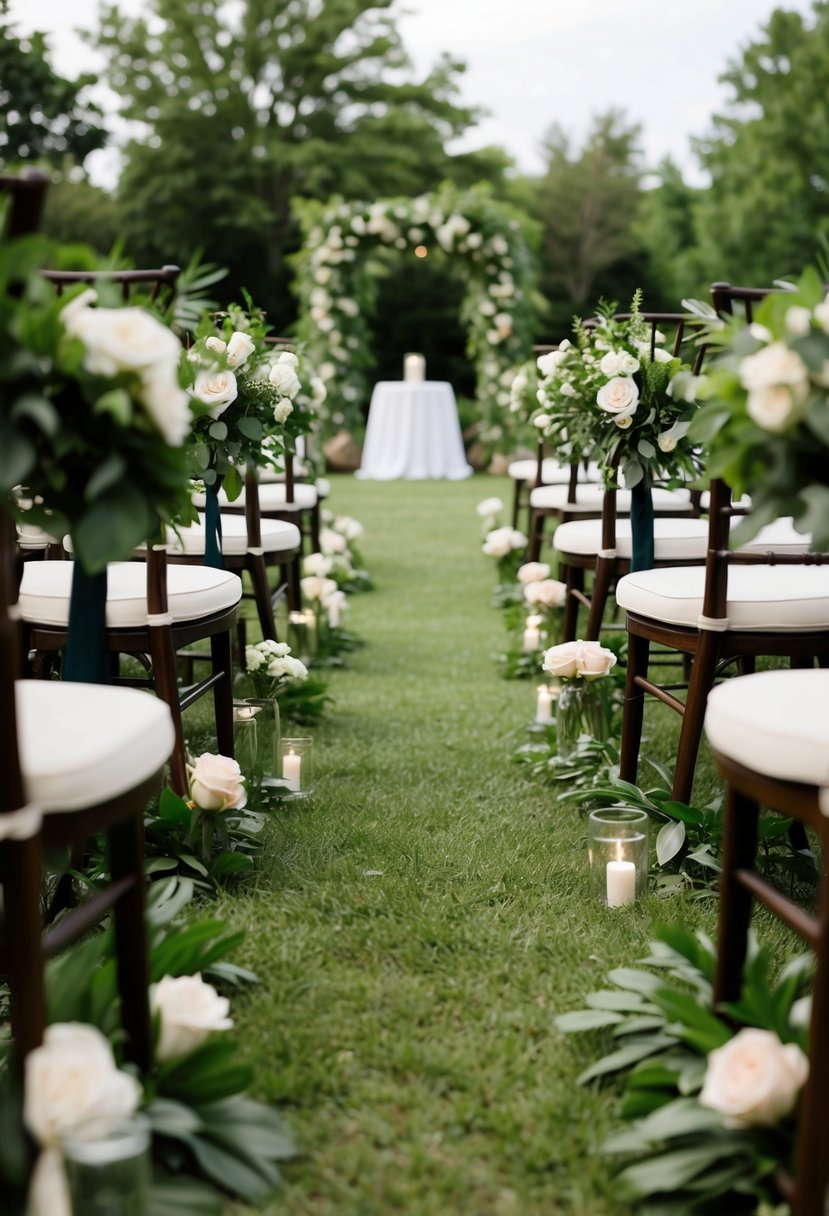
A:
641,525
86,657
213,528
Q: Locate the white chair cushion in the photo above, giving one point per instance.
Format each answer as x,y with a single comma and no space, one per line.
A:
590,498
271,498
774,722
81,744
674,539
31,538
552,473
323,487
705,500
278,536
193,592
779,598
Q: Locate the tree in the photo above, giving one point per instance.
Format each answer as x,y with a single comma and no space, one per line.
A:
587,202
244,107
665,228
42,116
768,154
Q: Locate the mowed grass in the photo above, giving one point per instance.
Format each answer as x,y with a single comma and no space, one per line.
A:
418,923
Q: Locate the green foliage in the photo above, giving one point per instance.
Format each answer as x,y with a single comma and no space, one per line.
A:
686,1159
43,117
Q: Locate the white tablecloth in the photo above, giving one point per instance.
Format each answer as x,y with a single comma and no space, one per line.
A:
413,432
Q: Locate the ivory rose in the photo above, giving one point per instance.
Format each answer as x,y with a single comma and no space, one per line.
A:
283,410
533,572
167,404
618,363
314,588
545,593
547,364
71,1077
488,508
351,528
216,388
284,379
754,1079
503,541
579,660
773,365
332,542
217,344
773,407
317,564
120,339
216,783
619,396
239,347
189,1011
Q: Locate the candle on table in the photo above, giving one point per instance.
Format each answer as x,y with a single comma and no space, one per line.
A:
544,705
333,614
414,369
532,633
621,881
292,770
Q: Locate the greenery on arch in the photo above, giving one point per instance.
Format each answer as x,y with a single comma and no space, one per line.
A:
487,241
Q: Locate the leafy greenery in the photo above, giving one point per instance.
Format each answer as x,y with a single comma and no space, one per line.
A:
686,1159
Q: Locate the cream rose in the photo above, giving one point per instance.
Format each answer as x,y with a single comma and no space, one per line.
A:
216,783
533,572
773,407
167,404
284,379
352,529
488,507
73,1077
754,1079
619,396
561,661
821,315
545,593
619,363
332,542
774,364
503,541
239,347
216,388
120,339
316,589
283,410
189,1011
216,344
572,660
548,363
317,564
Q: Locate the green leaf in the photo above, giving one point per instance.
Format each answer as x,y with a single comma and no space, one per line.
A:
19,458
172,808
670,1171
118,404
669,842
585,1019
184,1197
619,1002
251,428
235,1173
227,864
232,483
113,526
39,410
630,1054
107,474
635,981
174,1119
218,431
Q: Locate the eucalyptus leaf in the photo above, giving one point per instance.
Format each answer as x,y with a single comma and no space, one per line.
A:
218,431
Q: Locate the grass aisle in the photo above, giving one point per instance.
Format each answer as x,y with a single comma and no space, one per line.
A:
422,920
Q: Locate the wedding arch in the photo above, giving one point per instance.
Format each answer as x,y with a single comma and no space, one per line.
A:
486,242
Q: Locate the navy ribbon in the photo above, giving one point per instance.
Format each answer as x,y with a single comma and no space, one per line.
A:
641,525
86,657
213,528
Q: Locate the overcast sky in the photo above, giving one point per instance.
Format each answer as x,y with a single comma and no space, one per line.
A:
534,62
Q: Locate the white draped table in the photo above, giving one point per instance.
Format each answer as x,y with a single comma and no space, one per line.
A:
413,433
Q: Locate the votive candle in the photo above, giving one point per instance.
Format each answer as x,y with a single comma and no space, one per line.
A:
292,770
621,881
544,705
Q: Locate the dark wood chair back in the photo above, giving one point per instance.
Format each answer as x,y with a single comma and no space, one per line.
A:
160,282
26,193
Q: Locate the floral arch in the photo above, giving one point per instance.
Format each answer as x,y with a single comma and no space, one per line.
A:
485,240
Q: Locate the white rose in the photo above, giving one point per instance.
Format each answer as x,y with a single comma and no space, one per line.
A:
216,344
332,542
253,658
487,308
533,572
773,407
288,357
350,307
283,410
548,363
619,396
284,379
350,528
239,347
488,507
566,389
561,661
618,363
71,1077
216,783
317,564
287,668
121,339
167,404
315,588
542,421
77,305
821,315
502,541
545,593
775,364
217,389
189,1010
754,1079
593,660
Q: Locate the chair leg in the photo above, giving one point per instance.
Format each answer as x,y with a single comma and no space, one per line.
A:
739,850
574,581
166,686
126,860
24,967
536,536
315,528
294,595
634,709
221,652
812,1162
598,597
516,501
690,735
262,594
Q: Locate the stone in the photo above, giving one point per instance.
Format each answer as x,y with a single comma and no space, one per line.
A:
342,455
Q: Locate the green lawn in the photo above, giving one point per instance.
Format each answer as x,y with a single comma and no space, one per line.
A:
418,923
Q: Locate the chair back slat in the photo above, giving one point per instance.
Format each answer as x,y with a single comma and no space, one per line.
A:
12,796
27,197
165,277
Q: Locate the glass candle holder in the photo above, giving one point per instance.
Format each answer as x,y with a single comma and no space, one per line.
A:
295,756
618,851
256,731
108,1166
302,631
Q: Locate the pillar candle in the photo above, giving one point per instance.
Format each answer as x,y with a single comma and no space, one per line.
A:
292,770
414,369
621,881
544,705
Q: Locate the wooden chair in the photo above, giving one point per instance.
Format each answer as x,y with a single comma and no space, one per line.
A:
26,195
160,282
770,736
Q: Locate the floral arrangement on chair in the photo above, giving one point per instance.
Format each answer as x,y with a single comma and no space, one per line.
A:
764,418
272,667
619,396
97,417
